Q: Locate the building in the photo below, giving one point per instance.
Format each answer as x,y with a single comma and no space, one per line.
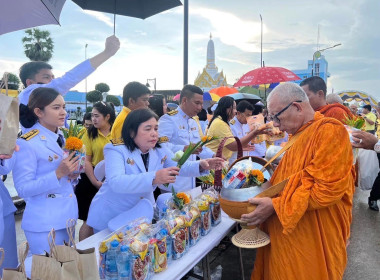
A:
76,104
318,67
210,77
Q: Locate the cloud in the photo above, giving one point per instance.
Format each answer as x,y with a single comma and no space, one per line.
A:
99,16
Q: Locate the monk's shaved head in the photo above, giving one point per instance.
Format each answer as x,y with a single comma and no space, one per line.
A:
333,98
289,107
288,92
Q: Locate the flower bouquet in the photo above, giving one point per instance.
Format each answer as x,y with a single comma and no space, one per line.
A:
180,199
74,144
354,123
182,156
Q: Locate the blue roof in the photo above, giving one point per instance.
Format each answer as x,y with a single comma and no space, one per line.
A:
80,97
75,96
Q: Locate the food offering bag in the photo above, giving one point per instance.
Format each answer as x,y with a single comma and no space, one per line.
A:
19,272
82,158
216,212
159,249
9,116
140,259
193,222
204,207
178,233
236,177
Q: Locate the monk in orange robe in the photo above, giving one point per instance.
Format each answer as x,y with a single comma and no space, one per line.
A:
309,221
315,88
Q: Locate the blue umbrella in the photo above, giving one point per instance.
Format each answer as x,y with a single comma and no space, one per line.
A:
207,96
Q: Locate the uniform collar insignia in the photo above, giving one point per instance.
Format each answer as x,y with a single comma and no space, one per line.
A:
43,137
130,161
163,159
50,158
55,157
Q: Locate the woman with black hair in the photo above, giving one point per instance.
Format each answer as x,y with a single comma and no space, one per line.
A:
42,177
219,127
157,103
97,136
135,166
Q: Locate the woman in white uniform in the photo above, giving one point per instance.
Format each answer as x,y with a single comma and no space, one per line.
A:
41,176
135,165
7,227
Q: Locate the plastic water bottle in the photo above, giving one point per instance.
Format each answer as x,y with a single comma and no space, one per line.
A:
124,263
111,266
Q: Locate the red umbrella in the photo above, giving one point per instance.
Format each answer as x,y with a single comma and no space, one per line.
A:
266,75
222,91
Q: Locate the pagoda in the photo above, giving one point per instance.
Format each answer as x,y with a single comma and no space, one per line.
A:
210,77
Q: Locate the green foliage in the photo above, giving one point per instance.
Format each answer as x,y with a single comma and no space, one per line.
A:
102,87
94,96
89,109
13,81
113,99
73,131
38,45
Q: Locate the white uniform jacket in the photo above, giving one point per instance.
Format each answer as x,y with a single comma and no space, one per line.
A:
127,181
49,202
176,130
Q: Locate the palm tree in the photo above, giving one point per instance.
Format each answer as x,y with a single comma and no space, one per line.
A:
38,45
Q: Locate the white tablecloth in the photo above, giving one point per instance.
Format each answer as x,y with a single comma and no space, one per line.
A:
177,268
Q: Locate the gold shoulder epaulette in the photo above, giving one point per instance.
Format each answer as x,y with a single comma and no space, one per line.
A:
117,141
29,135
232,122
172,113
163,139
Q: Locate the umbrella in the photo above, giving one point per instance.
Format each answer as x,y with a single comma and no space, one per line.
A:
222,91
21,14
266,75
131,8
246,96
207,96
175,98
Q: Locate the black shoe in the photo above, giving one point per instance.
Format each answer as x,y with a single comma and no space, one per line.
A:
373,205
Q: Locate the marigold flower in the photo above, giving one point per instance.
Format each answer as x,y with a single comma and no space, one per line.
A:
258,174
73,144
204,139
185,198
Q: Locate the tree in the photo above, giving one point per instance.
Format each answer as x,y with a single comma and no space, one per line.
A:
38,45
13,81
94,96
113,99
89,109
102,87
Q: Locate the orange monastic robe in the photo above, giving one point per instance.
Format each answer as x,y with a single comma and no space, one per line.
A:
336,111
311,225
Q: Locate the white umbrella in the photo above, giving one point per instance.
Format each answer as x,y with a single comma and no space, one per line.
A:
20,14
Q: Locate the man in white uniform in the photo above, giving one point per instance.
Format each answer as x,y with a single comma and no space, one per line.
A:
178,128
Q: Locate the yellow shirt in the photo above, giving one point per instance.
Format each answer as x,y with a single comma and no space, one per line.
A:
118,124
94,147
371,116
82,132
220,129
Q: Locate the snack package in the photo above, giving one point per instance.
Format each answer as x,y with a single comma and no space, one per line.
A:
193,222
178,233
204,207
140,260
213,198
159,250
237,175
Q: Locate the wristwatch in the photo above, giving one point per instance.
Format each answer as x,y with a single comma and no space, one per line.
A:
377,147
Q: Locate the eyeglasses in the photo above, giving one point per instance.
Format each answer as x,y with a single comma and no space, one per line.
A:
275,117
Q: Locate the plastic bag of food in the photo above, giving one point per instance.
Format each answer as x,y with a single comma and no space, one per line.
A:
204,207
193,222
212,197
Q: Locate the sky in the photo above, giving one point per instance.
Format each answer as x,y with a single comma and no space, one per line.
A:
153,48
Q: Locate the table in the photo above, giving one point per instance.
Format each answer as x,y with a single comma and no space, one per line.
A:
177,268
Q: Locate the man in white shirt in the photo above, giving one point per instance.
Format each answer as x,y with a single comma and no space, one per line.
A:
36,74
239,125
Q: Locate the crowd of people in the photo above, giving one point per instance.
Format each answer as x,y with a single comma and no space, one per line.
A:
308,223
